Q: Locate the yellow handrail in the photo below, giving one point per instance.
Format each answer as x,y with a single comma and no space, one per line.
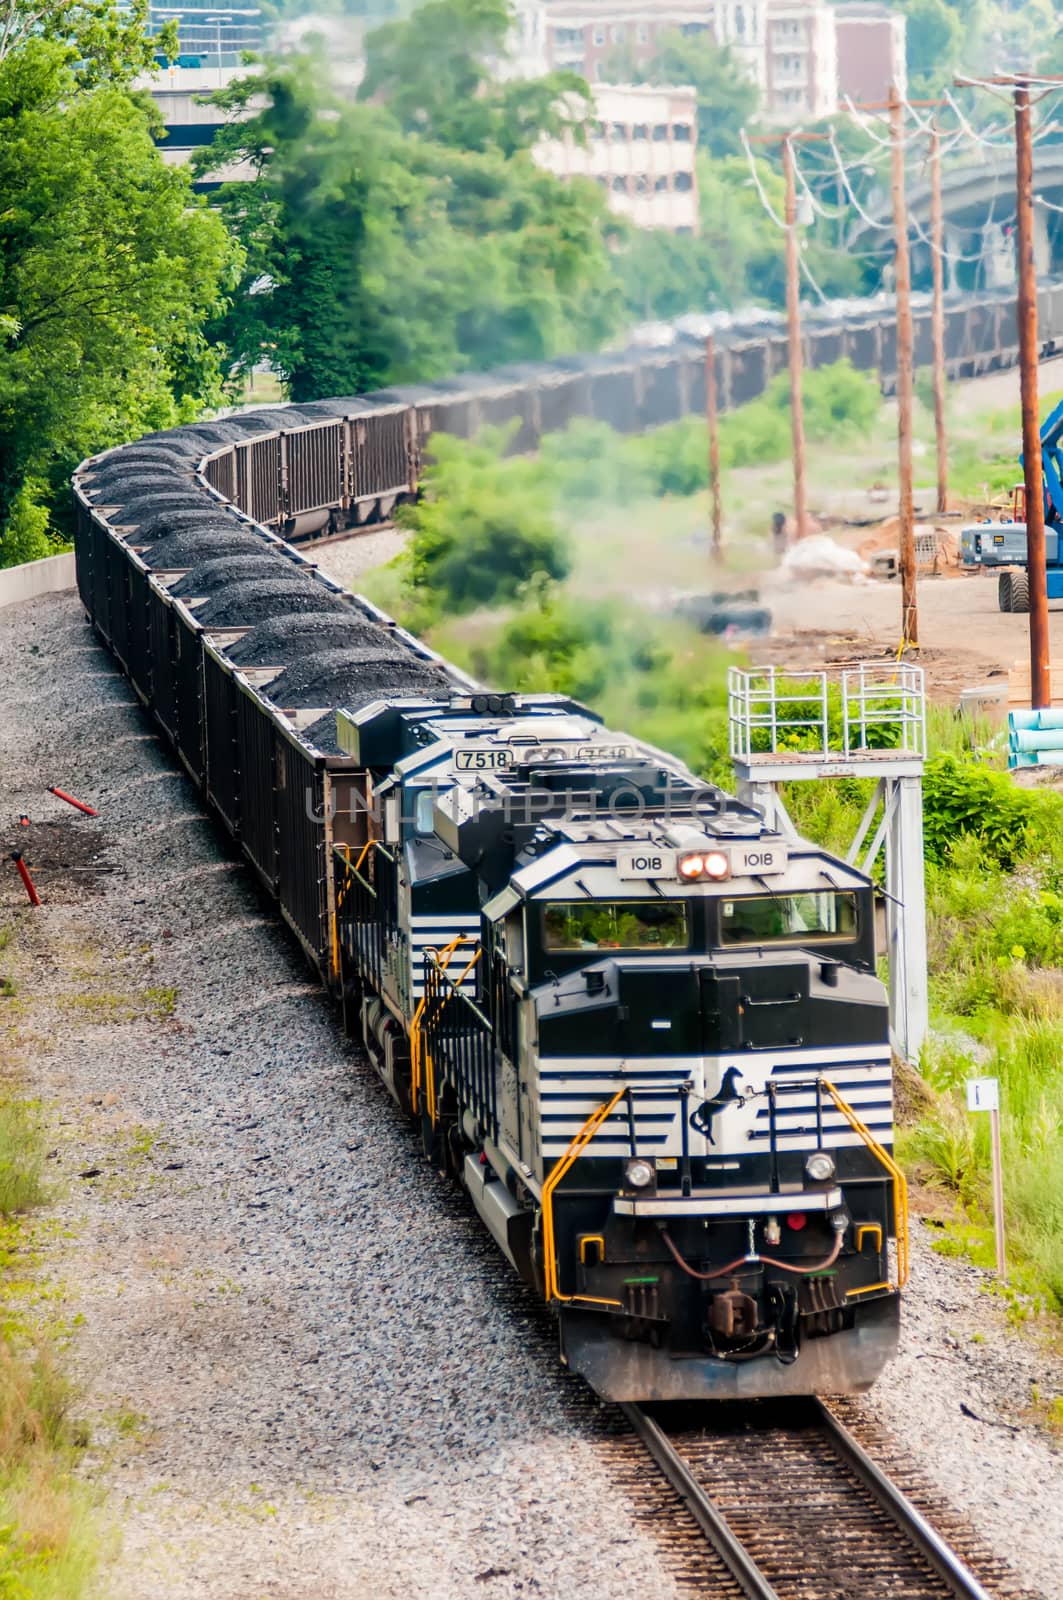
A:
442,961
430,1076
900,1182
342,895
578,1145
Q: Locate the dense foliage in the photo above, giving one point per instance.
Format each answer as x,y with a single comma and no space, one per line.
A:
483,528
108,272
375,254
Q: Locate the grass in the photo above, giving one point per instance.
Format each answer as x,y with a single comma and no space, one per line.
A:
49,1539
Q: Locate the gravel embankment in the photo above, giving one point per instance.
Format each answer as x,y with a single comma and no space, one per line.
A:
346,559
965,1396
305,1372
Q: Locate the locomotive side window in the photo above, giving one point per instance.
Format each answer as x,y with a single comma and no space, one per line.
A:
788,918
615,925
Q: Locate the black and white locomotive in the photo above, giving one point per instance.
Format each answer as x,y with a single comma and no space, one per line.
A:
647,1035
642,1029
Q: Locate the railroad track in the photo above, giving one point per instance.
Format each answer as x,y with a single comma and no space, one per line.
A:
792,1507
315,539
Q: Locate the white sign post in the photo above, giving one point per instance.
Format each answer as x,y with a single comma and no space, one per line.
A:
983,1094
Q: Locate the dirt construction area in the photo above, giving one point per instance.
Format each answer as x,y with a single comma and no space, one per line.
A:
965,639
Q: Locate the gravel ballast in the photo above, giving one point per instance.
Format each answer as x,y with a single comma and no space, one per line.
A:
306,1375
306,1372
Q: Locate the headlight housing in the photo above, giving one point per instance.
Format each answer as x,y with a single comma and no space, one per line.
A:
820,1166
640,1172
711,865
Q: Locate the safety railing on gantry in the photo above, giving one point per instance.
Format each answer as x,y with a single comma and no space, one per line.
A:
872,710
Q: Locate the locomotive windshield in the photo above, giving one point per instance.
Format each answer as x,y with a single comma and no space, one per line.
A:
615,925
788,918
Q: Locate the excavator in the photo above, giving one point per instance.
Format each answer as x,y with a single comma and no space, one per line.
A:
1002,543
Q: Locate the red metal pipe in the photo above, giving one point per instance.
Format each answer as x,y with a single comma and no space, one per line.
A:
61,794
23,872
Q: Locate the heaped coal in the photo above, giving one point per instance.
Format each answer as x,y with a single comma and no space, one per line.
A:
244,604
353,678
289,638
189,545
208,577
141,507
208,515
322,735
112,486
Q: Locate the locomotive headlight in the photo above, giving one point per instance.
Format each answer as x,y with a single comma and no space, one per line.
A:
717,865
691,866
819,1166
639,1173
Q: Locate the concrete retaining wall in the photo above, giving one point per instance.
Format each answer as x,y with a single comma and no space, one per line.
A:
35,578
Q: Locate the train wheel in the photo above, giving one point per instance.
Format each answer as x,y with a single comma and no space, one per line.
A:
1020,591
1004,591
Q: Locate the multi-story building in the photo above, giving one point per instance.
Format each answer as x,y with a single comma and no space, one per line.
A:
871,50
178,93
588,36
801,54
641,149
210,33
801,61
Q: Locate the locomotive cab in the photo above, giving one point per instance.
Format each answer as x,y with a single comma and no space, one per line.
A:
694,1058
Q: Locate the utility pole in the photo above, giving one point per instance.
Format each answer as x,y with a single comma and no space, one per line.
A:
1033,477
711,412
909,604
937,253
793,328
1040,668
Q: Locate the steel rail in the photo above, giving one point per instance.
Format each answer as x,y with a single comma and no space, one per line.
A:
731,1551
953,1572
944,1563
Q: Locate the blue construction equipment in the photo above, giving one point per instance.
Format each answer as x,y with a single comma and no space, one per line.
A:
1003,544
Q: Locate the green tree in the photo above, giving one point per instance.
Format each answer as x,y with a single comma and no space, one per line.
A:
105,42
727,96
484,527
935,36
376,256
436,71
108,270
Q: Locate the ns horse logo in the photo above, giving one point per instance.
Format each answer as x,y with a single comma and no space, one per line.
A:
702,1119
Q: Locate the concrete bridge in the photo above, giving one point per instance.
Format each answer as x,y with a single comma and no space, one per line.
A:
978,199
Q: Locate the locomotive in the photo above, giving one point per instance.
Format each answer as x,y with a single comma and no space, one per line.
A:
641,1028
636,1024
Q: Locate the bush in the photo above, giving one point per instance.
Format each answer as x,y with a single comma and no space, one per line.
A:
484,527
26,536
960,796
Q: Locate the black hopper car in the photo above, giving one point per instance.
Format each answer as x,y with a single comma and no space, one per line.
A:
644,1031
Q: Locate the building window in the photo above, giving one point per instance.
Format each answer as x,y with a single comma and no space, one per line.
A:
660,133
740,22
568,36
619,132
663,184
599,36
684,182
640,131
619,33
620,186
642,33
682,132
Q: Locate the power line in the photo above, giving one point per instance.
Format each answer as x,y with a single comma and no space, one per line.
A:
765,202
